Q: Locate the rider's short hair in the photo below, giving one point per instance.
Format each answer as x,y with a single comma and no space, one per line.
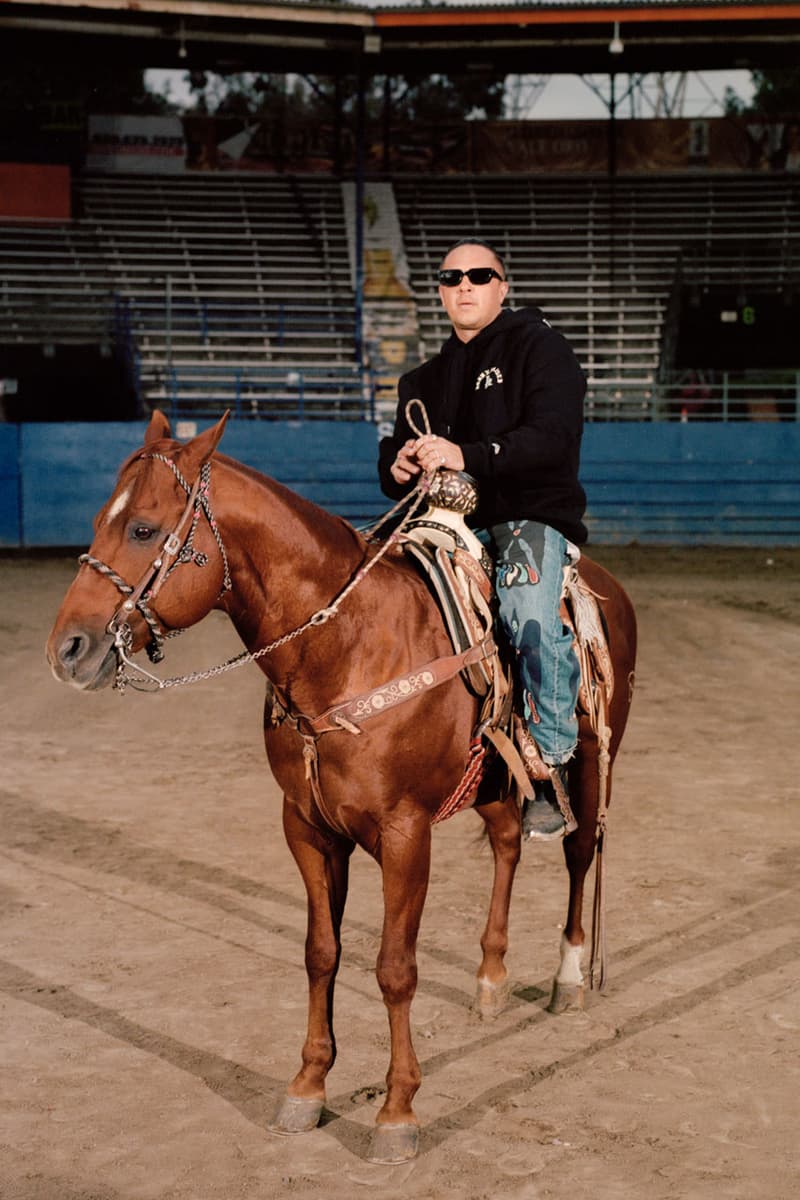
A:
476,241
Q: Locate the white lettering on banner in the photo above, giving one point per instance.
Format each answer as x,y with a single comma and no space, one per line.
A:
130,143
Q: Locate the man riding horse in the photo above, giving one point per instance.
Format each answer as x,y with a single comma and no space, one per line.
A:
504,397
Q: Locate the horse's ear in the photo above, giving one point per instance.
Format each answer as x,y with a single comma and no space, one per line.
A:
200,448
158,428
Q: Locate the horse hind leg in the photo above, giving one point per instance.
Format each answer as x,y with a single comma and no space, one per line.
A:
579,848
568,986
324,866
501,818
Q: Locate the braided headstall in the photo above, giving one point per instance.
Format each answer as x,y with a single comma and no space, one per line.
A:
177,549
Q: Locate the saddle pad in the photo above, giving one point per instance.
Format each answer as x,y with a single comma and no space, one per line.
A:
461,625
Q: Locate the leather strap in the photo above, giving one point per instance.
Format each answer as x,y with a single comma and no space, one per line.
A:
149,584
404,687
472,568
511,756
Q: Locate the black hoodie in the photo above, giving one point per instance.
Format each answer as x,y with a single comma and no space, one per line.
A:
512,398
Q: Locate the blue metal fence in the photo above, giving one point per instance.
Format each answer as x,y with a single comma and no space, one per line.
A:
671,483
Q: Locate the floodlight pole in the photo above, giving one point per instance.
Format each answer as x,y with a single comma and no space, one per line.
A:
387,123
361,137
612,179
168,321
612,125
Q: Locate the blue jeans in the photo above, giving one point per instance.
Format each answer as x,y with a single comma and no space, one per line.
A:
530,561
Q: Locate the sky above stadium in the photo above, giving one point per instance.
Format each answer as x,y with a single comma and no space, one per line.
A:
570,96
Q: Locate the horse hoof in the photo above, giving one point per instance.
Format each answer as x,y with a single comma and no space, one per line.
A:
295,1115
393,1143
491,998
566,997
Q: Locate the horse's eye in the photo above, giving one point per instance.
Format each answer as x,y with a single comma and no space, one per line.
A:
143,533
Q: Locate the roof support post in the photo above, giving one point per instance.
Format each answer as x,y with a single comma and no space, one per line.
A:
612,180
361,138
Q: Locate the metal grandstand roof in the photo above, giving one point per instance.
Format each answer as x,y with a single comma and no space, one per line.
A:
498,39
531,5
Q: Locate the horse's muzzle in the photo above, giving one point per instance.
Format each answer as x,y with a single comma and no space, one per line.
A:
81,659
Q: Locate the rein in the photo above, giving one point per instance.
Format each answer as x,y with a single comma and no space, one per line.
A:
176,551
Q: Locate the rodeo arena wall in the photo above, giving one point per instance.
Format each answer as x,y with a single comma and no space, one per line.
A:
674,455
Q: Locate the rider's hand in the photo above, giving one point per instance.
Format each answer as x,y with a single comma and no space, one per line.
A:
436,453
405,466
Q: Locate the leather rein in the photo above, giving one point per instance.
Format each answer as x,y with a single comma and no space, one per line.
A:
178,548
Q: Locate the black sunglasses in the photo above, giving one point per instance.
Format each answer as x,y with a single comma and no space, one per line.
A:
452,276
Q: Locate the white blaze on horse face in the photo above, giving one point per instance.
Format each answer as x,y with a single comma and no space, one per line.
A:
117,506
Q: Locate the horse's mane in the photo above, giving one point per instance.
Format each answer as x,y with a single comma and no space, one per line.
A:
317,517
301,505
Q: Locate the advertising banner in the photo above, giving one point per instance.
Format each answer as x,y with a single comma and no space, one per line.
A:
128,143
282,142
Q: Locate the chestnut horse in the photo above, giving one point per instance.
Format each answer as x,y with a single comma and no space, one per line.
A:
273,562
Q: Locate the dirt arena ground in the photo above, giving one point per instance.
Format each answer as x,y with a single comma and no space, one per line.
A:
152,923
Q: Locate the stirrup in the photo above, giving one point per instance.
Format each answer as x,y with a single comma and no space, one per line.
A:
548,815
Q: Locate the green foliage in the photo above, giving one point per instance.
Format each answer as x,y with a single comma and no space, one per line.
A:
450,98
777,94
777,91
733,104
244,95
429,98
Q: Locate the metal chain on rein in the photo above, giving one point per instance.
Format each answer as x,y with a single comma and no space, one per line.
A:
145,681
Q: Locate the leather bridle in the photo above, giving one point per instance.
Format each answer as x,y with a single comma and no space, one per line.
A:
177,548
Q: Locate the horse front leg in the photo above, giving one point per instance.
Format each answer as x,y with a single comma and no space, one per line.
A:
404,857
323,861
502,825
